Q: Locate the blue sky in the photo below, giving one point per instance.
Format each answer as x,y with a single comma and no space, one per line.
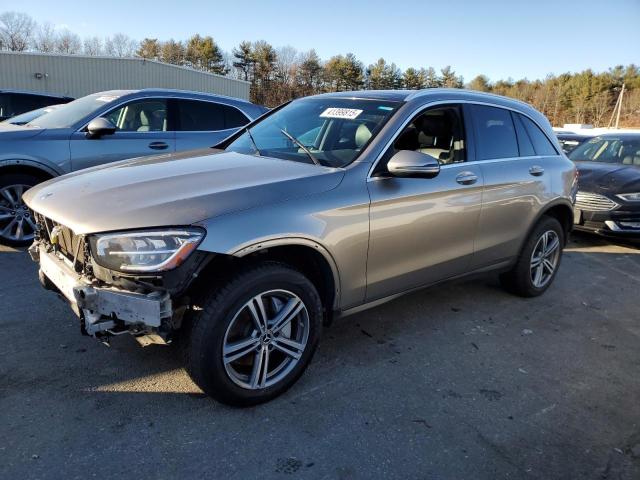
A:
498,38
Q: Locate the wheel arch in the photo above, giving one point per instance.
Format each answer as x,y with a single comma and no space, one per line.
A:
31,167
562,210
305,255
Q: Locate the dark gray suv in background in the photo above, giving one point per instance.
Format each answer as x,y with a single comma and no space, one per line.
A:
102,128
322,208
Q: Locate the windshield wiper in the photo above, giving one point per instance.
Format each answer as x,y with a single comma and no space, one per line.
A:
299,143
255,146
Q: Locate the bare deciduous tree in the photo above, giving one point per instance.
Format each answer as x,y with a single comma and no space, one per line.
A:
68,43
92,46
120,45
16,31
45,38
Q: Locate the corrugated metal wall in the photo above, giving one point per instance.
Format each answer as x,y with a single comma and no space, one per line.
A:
77,75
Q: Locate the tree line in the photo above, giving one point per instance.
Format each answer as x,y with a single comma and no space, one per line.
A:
280,74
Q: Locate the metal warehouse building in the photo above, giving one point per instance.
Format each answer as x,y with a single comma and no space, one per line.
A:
78,75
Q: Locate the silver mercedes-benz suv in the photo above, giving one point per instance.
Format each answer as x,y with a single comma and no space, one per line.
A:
324,207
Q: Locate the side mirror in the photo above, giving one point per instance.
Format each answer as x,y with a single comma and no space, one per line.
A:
100,126
409,163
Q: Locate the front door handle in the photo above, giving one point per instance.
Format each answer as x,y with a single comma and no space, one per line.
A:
467,178
158,145
536,170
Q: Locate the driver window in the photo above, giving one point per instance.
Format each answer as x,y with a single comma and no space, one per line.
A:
140,116
437,132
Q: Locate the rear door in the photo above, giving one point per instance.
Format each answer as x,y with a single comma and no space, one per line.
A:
515,157
202,124
422,230
143,127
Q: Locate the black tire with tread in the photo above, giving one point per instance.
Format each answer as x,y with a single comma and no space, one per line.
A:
204,331
518,279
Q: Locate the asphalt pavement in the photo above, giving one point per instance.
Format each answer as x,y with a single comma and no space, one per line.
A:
460,381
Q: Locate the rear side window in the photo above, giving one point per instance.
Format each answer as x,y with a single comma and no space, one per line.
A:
524,142
495,133
196,116
541,143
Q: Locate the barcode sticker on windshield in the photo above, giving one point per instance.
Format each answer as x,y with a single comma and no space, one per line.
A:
344,113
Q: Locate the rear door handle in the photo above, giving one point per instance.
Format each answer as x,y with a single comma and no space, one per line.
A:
536,170
158,145
467,178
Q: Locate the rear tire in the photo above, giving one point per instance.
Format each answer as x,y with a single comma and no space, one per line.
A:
539,260
17,226
274,355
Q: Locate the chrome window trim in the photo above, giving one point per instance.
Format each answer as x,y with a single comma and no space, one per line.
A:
473,163
210,131
163,97
426,106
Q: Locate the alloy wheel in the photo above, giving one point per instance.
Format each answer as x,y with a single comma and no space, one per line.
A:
544,258
16,222
265,339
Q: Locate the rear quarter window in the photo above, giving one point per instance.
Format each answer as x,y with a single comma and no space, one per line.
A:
234,118
541,143
524,142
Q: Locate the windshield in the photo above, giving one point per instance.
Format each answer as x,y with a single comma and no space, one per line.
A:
609,150
29,116
68,115
329,131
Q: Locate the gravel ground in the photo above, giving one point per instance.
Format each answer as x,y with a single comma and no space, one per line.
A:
462,381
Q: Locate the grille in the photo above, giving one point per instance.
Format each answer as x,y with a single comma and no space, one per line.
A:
68,243
594,202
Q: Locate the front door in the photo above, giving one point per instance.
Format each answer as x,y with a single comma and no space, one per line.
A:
142,128
422,230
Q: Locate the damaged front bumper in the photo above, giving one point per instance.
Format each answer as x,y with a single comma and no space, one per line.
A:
104,311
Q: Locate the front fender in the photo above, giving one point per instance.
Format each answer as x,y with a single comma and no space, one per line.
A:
332,223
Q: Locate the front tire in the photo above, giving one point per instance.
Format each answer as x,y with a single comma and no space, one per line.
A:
255,335
538,262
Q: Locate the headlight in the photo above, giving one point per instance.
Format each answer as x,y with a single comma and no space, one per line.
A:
145,251
630,197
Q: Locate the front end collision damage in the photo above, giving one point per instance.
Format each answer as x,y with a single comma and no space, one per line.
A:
150,307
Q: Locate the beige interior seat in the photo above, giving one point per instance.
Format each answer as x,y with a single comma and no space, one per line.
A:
144,122
363,134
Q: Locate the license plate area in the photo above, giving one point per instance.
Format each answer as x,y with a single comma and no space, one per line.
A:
61,276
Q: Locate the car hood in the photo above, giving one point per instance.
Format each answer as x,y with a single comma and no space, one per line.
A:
608,178
8,131
173,190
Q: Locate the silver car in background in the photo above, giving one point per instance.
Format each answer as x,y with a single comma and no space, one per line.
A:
322,208
106,127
